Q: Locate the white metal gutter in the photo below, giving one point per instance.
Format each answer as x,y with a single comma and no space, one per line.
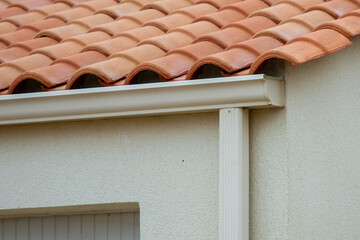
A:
252,91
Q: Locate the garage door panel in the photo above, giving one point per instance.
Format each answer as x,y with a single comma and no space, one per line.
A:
127,226
22,229
74,227
9,229
48,231
61,226
101,226
87,229
114,226
35,228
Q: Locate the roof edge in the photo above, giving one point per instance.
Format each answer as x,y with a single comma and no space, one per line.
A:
251,91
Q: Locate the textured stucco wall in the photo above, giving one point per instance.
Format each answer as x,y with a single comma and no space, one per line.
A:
168,164
305,159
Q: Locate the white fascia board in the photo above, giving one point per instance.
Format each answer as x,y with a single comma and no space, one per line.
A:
251,91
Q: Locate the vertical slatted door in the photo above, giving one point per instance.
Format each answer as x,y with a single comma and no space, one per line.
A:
114,226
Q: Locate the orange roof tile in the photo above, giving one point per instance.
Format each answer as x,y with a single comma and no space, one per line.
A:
63,44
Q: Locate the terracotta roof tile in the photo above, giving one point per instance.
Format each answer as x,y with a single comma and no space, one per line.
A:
12,53
176,63
182,17
11,70
31,4
237,31
72,14
296,26
117,67
218,3
95,5
3,5
234,12
17,36
168,6
236,58
71,2
285,9
348,25
35,43
305,48
11,11
6,27
121,9
22,49
337,8
57,44
44,24
129,22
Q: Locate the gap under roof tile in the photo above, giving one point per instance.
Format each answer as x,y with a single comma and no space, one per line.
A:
305,48
174,64
117,67
10,70
59,72
48,76
337,8
348,25
236,58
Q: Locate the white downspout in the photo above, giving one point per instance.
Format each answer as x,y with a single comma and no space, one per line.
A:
234,174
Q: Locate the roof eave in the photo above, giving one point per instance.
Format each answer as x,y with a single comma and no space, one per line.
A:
251,91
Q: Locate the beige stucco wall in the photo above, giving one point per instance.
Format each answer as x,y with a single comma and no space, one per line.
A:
305,159
168,164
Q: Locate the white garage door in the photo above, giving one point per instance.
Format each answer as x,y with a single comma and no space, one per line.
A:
119,226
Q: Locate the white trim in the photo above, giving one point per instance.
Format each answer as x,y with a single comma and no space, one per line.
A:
156,98
234,174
